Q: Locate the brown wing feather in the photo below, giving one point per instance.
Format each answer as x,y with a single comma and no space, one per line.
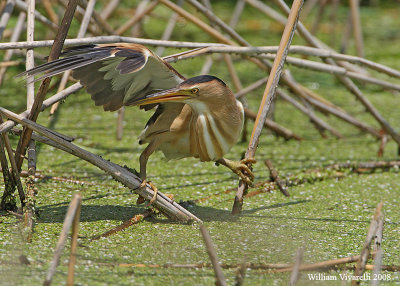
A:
114,74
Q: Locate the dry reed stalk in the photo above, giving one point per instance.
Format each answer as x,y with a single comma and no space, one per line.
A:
318,17
136,29
14,37
241,270
319,123
275,178
134,220
106,28
168,207
106,39
29,209
39,175
346,81
286,79
336,70
5,16
169,29
362,166
50,11
269,94
14,170
54,54
74,244
72,213
7,199
377,267
219,275
301,50
7,64
271,267
357,30
320,265
109,9
346,35
273,126
294,276
136,18
82,31
365,251
120,123
196,21
6,126
21,5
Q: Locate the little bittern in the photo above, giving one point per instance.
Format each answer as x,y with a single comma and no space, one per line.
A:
196,117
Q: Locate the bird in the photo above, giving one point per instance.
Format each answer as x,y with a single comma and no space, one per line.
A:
193,117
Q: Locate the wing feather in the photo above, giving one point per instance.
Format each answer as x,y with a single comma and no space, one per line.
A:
114,74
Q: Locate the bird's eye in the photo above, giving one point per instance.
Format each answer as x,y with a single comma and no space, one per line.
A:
195,90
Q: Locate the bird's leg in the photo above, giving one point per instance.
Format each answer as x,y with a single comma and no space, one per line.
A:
143,185
240,168
144,157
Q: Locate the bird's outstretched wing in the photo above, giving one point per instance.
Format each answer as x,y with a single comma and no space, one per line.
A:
114,74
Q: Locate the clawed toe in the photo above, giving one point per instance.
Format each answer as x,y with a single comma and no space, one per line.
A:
141,199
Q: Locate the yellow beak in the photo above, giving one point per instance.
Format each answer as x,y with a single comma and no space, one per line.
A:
173,94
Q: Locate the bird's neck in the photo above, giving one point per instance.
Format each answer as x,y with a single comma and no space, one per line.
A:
216,129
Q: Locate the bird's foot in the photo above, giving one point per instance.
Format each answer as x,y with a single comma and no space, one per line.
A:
141,199
242,169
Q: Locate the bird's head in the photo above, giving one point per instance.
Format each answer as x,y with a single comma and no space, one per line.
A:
203,88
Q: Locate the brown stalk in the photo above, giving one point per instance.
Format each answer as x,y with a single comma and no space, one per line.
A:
301,50
5,16
346,81
103,25
275,178
168,207
14,171
28,211
109,9
14,37
262,64
333,21
137,18
271,267
371,166
6,126
377,267
140,9
379,234
50,11
346,35
82,31
39,175
54,54
241,270
294,276
22,6
275,127
318,17
120,121
307,111
365,251
197,22
269,94
321,265
74,243
169,29
134,220
357,31
219,275
72,213
7,199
